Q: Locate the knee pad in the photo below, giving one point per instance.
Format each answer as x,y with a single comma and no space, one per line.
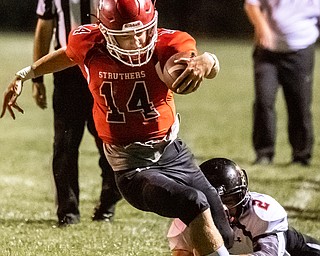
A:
191,204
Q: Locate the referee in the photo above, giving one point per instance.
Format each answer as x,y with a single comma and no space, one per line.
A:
72,106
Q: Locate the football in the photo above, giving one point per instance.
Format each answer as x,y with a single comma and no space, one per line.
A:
172,70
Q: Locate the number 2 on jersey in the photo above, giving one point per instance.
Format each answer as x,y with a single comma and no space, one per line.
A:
261,204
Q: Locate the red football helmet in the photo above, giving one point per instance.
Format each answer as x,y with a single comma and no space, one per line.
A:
124,17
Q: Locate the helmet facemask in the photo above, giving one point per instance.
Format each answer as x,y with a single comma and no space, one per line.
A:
237,198
136,57
238,195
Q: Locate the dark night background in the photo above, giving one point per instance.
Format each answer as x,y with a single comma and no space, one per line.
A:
210,18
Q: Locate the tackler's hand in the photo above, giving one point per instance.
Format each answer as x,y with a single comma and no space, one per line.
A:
230,219
10,96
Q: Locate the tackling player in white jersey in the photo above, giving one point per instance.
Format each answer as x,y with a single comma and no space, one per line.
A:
258,220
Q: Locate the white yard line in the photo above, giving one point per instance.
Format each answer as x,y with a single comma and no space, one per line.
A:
302,196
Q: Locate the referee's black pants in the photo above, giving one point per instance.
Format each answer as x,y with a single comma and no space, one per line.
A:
72,105
294,72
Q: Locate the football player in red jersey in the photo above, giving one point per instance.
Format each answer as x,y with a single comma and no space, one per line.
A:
122,58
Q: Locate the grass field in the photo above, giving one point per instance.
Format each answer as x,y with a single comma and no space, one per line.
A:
216,121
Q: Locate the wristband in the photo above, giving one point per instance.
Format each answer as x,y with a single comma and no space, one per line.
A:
215,59
216,66
25,74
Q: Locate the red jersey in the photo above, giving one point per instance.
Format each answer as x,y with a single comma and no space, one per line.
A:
131,104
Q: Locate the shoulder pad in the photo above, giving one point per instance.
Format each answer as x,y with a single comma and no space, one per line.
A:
266,207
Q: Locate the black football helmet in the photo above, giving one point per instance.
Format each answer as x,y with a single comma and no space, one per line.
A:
230,181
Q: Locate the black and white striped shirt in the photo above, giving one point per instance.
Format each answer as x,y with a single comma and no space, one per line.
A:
68,15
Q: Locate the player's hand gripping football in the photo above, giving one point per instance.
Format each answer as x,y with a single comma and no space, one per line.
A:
10,96
198,68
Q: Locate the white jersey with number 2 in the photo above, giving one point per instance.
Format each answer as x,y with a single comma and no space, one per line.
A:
263,222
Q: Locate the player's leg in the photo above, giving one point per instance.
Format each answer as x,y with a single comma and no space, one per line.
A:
165,188
151,190
205,235
300,244
216,207
183,166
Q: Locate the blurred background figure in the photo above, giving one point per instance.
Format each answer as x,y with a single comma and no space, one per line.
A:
285,32
72,105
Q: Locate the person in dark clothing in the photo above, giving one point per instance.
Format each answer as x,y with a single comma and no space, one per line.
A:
72,107
284,51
